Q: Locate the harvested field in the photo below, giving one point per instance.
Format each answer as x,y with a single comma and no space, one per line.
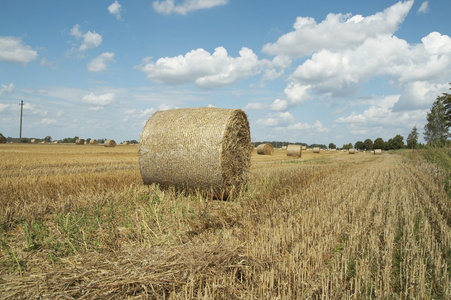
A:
78,222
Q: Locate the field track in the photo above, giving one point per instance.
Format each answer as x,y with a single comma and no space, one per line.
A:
76,221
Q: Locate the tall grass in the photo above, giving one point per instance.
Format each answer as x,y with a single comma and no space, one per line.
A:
325,226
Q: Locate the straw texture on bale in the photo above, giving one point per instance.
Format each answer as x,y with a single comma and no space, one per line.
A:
294,150
109,143
79,141
377,151
351,151
265,149
316,149
2,139
207,149
93,142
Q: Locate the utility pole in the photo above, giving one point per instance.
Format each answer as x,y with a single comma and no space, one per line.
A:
21,113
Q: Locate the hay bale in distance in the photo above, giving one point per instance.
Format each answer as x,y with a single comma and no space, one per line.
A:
34,141
265,149
294,150
207,149
93,142
109,143
304,148
377,151
316,149
79,142
351,151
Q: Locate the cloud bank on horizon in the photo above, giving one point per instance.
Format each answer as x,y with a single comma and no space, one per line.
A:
345,78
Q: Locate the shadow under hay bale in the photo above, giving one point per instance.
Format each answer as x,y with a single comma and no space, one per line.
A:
294,150
265,149
206,149
109,143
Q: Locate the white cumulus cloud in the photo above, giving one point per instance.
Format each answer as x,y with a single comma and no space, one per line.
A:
115,9
6,89
88,40
98,100
424,8
168,6
12,50
101,62
205,69
337,31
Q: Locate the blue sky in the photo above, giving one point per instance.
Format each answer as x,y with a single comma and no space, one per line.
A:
304,71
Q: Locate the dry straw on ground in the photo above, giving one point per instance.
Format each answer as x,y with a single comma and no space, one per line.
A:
316,150
377,151
351,151
207,149
265,149
294,150
79,141
109,143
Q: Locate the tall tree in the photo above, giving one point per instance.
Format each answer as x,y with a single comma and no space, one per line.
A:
412,139
396,143
446,98
332,146
368,144
379,143
359,145
436,130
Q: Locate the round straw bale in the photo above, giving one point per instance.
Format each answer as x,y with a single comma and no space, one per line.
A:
207,149
284,147
93,142
377,151
265,149
109,143
351,151
34,141
304,147
316,149
2,139
79,141
294,150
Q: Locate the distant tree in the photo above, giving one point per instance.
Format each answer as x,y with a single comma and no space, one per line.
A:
332,146
347,146
69,140
395,143
436,131
379,144
48,139
412,139
359,145
368,144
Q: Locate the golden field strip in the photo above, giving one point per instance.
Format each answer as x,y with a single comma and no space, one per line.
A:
77,222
